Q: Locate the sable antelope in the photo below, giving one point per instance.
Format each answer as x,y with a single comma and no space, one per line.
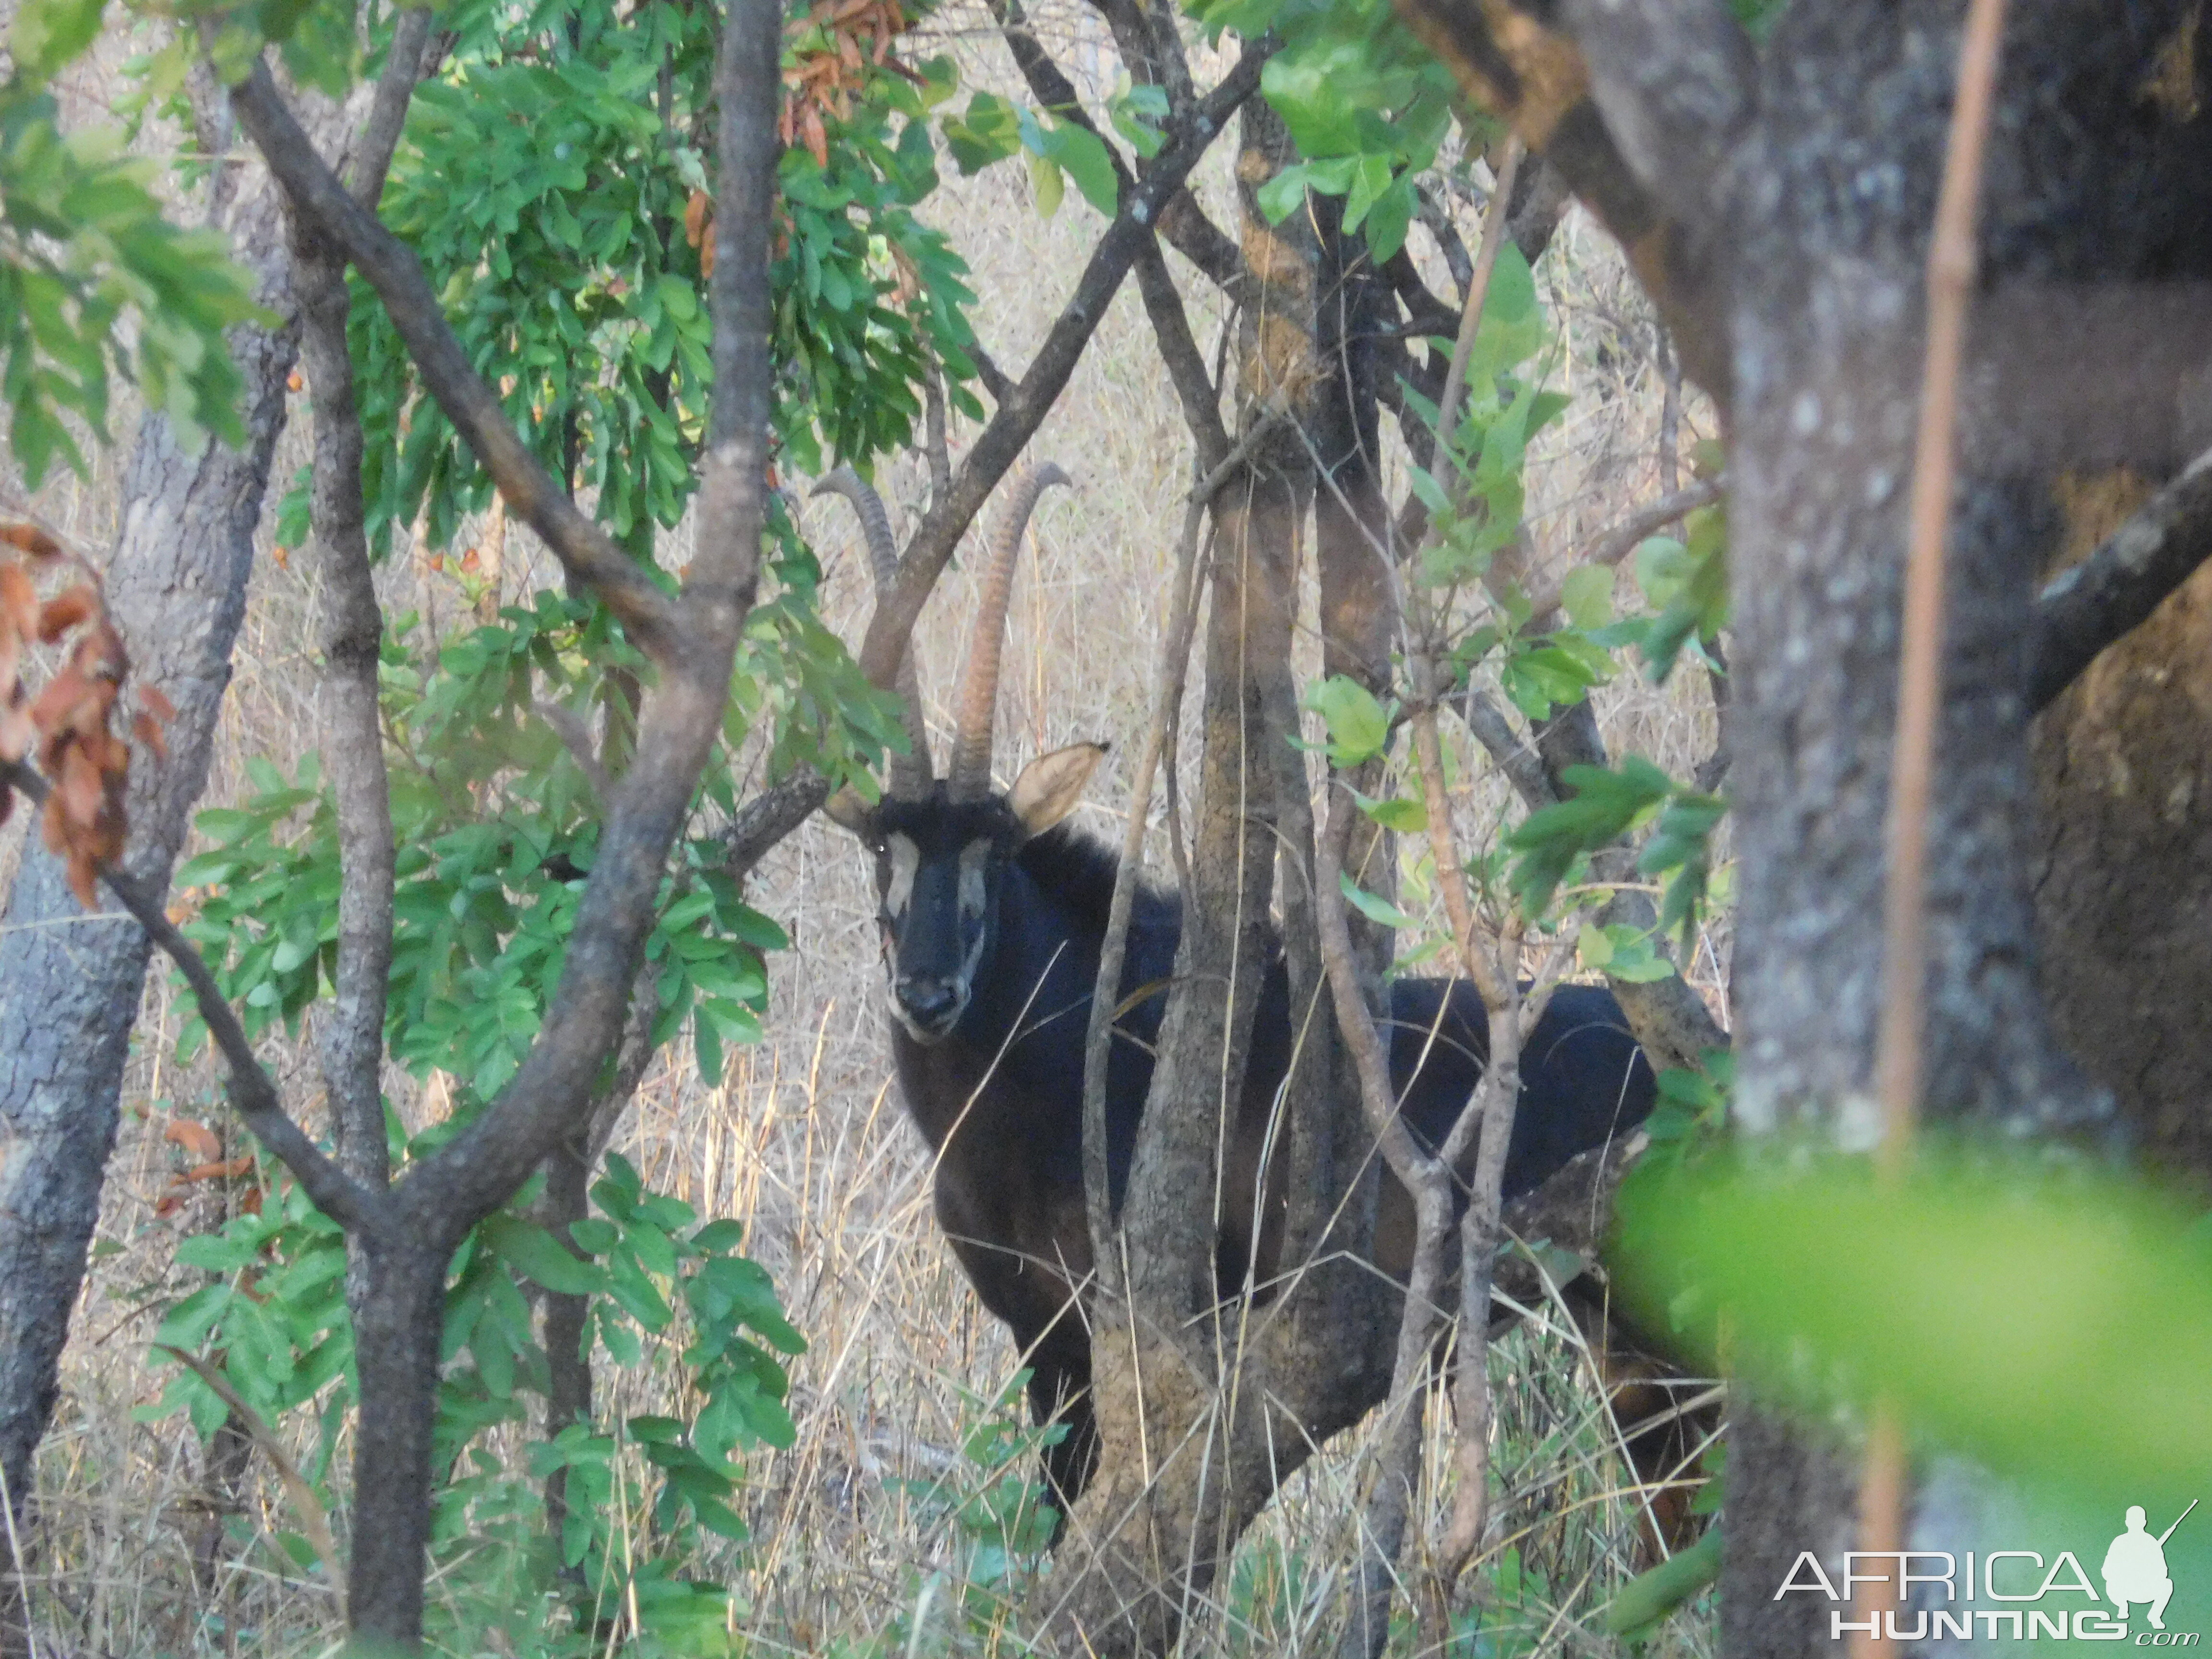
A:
993,914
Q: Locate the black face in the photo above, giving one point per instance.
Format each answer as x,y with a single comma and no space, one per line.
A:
937,867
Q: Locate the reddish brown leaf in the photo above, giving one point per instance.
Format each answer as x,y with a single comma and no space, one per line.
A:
18,599
101,652
698,213
83,879
31,540
148,731
79,788
16,733
196,1137
159,706
67,611
56,709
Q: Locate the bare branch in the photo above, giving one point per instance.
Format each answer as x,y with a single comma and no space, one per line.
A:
253,1091
1623,538
768,817
1519,68
1167,697
1186,366
1182,222
1900,1035
390,266
395,90
2119,586
1024,407
352,1035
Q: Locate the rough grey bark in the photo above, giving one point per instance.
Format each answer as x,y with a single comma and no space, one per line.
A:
70,981
1827,296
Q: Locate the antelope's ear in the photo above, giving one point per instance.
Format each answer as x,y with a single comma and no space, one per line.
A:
848,810
1050,785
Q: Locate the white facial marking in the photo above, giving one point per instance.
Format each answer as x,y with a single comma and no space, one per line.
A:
974,863
906,858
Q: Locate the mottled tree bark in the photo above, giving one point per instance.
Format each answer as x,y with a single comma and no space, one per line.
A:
70,981
1827,302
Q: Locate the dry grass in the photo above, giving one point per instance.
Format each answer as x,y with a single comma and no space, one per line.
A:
804,1140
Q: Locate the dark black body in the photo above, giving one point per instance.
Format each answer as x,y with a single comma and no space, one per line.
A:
999,1097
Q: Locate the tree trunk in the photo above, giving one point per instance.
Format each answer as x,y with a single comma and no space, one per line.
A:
396,1290
1829,291
2124,876
1203,1408
70,981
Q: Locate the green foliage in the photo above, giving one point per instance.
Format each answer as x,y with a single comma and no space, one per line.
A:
1367,107
2050,1319
1359,726
670,1296
93,282
496,829
1648,1598
1476,504
1003,1522
544,180
1686,583
1607,804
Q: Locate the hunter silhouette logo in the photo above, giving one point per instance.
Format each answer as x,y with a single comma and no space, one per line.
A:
1939,1596
2135,1567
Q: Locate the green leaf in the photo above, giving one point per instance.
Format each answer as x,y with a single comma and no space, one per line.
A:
1652,1595
537,1255
1359,726
2049,1318
1586,595
1047,184
1083,155
1375,908
49,35
1404,816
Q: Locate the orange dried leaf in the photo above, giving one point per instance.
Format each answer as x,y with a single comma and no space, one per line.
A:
16,733
698,213
62,706
83,879
156,704
80,787
283,555
31,540
18,600
66,611
199,1141
293,382
148,731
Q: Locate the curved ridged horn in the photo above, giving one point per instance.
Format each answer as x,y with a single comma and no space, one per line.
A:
970,772
908,775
